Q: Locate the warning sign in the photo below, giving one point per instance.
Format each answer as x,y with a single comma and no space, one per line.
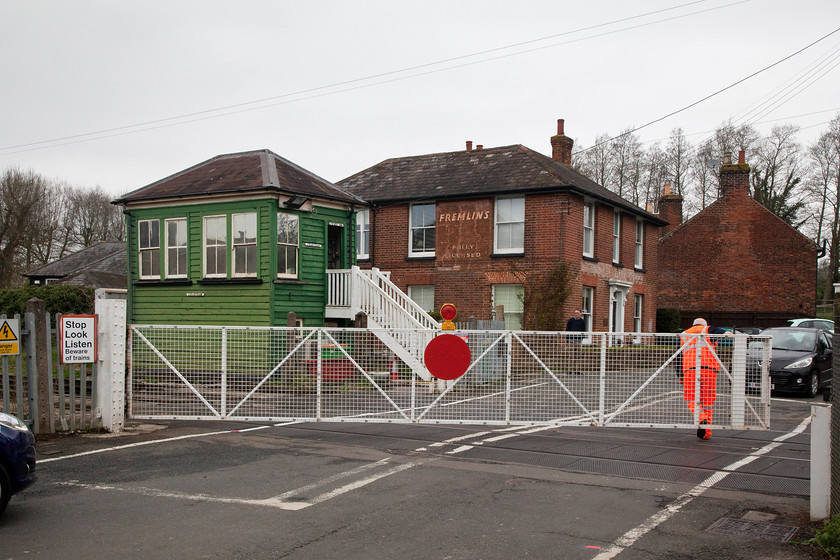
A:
9,337
77,336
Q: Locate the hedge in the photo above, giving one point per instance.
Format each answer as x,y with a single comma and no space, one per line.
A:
58,299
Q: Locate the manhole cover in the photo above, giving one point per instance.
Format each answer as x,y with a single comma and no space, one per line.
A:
752,529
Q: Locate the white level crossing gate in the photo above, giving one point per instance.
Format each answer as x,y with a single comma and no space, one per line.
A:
514,378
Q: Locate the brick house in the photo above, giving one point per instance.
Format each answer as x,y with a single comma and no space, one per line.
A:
478,227
735,262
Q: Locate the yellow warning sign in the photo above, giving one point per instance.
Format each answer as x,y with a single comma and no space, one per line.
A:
9,337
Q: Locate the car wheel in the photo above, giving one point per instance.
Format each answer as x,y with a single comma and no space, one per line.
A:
5,489
813,384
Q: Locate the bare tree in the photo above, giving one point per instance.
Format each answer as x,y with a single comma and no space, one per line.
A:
626,153
595,162
775,181
51,239
824,187
676,159
92,218
21,195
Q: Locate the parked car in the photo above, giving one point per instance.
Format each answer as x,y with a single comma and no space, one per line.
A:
748,330
800,360
17,458
812,323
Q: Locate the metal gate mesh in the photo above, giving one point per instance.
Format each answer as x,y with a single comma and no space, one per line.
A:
327,374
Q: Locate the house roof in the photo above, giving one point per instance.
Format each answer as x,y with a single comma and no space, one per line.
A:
481,172
107,257
244,172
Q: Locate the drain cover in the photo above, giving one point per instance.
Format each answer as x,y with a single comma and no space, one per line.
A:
752,529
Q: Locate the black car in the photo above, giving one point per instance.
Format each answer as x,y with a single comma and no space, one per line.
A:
17,458
800,360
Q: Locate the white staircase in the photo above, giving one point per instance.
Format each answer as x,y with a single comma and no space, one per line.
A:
393,317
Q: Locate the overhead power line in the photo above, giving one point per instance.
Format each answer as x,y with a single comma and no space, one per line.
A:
358,83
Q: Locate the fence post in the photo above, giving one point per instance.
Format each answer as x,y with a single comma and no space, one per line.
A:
40,392
110,307
835,413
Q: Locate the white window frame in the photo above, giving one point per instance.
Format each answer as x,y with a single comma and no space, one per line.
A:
176,248
288,244
363,234
219,247
588,229
506,229
423,295
638,303
640,243
616,250
587,304
148,247
242,247
425,252
512,317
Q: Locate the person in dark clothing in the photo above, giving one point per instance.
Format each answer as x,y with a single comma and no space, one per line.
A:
576,324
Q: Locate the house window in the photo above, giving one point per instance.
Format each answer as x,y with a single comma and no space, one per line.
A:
244,233
586,306
510,296
424,296
510,225
287,245
176,248
640,242
363,234
149,242
616,255
422,230
215,246
637,313
589,229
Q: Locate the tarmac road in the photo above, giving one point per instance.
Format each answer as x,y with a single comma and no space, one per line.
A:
230,490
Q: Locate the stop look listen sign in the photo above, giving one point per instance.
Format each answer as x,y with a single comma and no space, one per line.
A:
77,337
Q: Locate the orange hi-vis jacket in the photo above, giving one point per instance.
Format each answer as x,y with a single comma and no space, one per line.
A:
707,358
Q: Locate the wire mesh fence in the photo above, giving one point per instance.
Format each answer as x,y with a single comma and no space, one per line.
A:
513,377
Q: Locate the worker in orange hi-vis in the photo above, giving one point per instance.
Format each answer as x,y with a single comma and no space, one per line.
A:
692,340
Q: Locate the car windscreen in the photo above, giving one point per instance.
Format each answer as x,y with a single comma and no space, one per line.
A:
786,340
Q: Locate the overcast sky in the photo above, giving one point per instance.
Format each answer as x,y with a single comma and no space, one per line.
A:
119,94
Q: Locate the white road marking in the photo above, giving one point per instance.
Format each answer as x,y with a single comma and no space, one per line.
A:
630,537
281,501
155,441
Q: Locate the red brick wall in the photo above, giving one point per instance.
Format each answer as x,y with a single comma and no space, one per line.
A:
464,268
736,257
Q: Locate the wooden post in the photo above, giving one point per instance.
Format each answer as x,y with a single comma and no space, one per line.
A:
39,374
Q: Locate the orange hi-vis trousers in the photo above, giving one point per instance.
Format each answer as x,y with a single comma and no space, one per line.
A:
708,391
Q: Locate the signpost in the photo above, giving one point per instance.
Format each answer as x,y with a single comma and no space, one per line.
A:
77,337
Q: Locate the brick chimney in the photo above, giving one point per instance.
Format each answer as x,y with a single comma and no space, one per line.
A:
561,146
734,177
670,209
469,145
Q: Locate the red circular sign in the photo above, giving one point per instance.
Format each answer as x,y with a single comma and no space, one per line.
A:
447,356
448,311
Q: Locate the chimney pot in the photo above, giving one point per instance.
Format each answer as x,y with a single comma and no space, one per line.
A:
469,145
727,158
667,188
560,126
479,146
741,157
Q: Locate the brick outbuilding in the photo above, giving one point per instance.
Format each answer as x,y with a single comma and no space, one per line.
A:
735,262
483,227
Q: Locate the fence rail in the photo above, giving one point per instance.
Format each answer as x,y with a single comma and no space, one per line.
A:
326,374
